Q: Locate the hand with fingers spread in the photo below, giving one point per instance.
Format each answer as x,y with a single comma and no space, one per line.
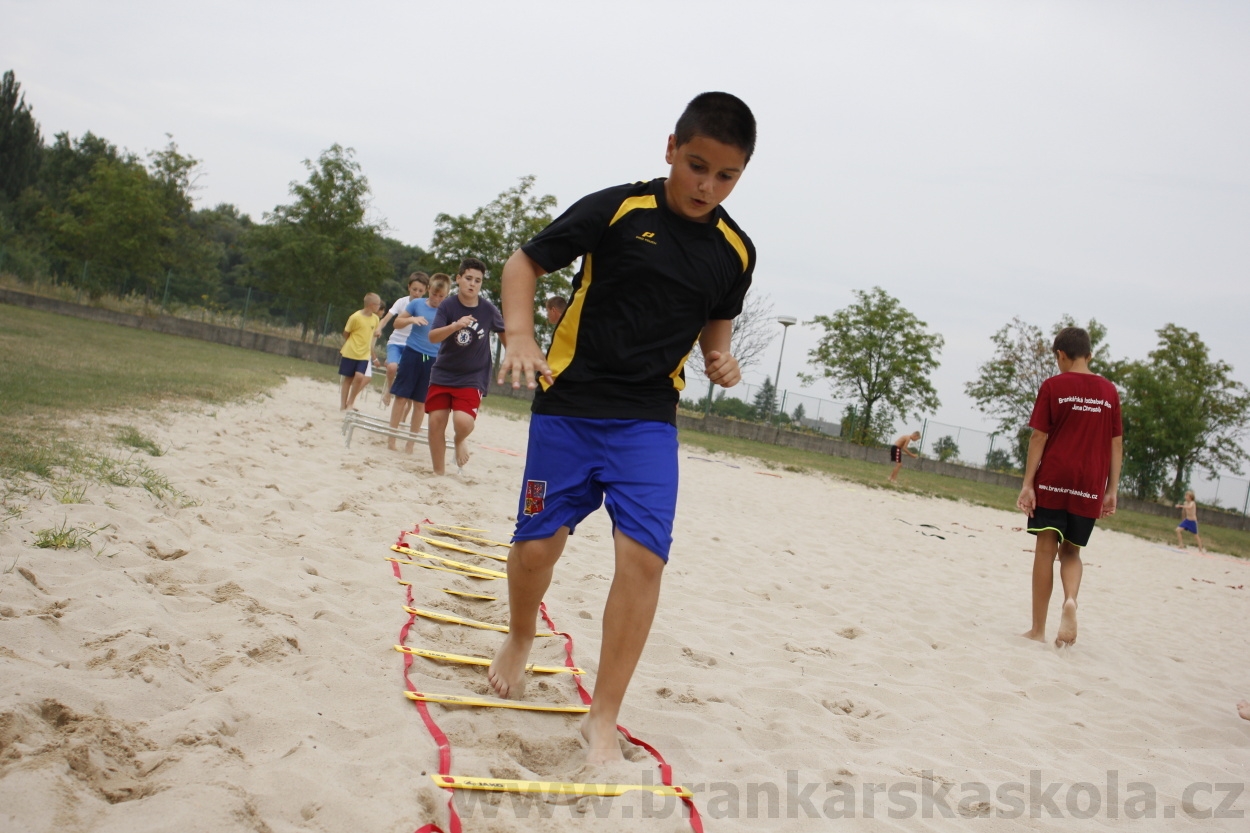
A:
523,359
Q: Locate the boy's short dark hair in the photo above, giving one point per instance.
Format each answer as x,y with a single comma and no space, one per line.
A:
419,277
557,302
720,116
471,263
1074,342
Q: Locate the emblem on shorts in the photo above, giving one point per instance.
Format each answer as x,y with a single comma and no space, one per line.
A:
535,496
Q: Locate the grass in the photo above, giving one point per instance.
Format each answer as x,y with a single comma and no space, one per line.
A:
87,367
128,435
873,475
64,537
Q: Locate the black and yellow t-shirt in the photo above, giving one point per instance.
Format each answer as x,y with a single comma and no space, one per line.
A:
649,282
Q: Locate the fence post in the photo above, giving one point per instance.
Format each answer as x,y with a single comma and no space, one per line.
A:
707,409
924,431
247,303
325,328
165,297
82,282
1246,506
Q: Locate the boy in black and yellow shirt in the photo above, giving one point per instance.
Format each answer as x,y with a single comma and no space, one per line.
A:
604,421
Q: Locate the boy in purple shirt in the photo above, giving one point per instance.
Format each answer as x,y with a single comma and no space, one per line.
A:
461,373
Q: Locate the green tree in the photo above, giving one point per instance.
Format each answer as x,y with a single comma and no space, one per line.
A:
999,459
1181,409
799,414
186,248
945,448
321,248
879,353
1006,386
21,145
855,428
492,233
765,402
730,406
115,222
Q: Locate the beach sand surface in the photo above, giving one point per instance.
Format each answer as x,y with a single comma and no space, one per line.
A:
223,660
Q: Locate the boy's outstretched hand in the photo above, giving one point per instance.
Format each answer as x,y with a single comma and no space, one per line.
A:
523,358
721,368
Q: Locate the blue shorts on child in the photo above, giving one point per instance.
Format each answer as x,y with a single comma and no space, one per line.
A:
1189,526
412,379
573,465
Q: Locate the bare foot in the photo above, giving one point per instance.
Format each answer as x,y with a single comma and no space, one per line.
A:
507,670
1067,624
603,747
1036,636
462,453
1243,709
386,399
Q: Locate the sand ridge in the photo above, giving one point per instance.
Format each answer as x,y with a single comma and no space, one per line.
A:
230,665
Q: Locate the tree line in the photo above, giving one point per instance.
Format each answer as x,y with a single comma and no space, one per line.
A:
82,210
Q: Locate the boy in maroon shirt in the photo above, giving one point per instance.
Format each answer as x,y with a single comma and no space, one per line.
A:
1072,474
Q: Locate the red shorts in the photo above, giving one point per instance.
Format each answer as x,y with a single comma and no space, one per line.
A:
440,398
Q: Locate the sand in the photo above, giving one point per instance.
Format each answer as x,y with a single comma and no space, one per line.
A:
821,650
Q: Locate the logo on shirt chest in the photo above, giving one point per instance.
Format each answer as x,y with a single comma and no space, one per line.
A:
647,237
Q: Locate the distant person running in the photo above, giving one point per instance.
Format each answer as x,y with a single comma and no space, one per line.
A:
461,373
663,266
1071,476
418,284
900,448
358,335
1189,521
412,381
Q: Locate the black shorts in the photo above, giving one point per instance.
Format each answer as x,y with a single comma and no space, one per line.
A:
896,454
1075,529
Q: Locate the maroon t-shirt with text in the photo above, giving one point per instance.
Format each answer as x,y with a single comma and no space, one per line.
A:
1079,413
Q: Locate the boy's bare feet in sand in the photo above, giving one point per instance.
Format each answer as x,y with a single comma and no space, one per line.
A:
462,452
1067,624
1036,636
507,671
603,747
1243,709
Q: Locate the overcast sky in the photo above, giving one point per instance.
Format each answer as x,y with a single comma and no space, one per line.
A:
977,160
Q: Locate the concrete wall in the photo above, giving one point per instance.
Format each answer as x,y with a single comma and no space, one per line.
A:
178,327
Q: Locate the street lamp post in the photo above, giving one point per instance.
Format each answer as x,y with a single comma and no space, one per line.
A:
786,322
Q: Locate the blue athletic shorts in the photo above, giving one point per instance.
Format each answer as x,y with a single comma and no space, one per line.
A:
412,380
350,367
573,465
394,352
1189,526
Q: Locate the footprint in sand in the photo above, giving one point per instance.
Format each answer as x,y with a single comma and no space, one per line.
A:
697,658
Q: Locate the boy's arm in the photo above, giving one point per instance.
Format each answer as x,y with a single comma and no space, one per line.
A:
1027,501
523,357
719,365
443,333
1113,477
404,319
